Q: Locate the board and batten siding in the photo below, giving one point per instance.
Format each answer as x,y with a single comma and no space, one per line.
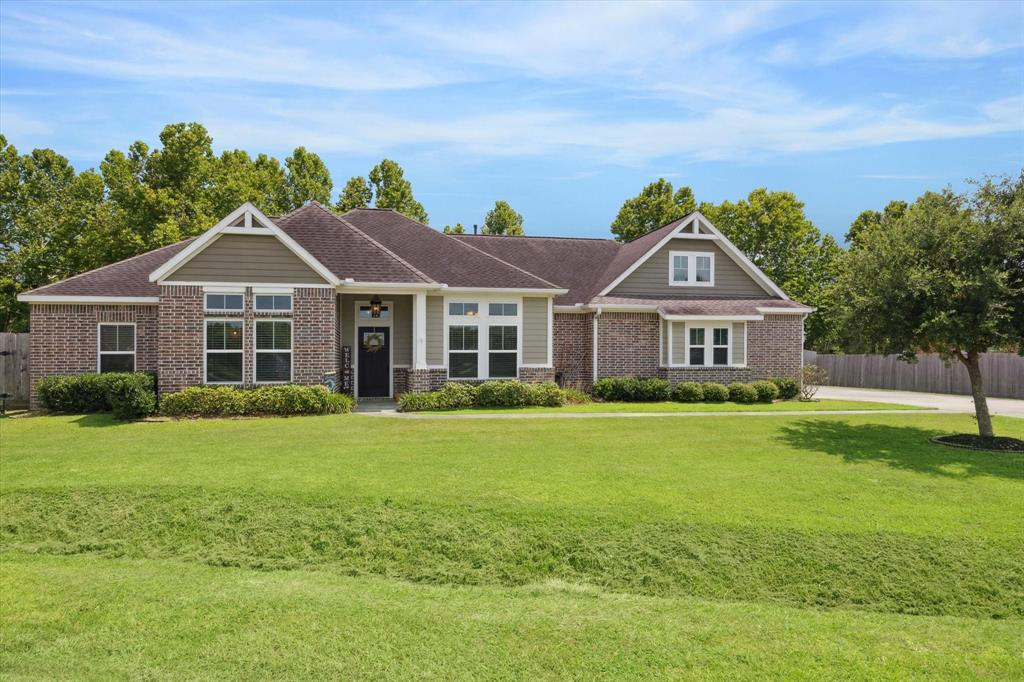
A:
736,330
535,331
246,258
435,331
651,278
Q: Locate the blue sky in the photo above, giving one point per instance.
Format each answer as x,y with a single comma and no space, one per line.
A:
564,110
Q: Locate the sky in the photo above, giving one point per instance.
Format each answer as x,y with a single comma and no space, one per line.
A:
563,110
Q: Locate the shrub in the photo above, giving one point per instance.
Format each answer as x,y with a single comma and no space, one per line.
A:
632,390
766,391
688,392
422,401
574,396
508,393
788,388
547,394
812,377
742,393
129,395
227,401
455,395
715,393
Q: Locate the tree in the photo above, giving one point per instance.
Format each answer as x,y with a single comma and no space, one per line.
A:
356,194
238,178
946,278
503,219
392,190
870,220
655,206
308,179
454,229
775,234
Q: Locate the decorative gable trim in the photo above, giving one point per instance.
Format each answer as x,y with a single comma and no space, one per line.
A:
248,220
697,226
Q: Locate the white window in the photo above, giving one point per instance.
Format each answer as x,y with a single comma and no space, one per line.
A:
277,303
464,309
273,351
116,348
463,351
691,269
502,351
696,345
223,352
720,346
503,309
708,345
224,303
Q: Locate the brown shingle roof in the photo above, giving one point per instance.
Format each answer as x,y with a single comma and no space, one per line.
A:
128,277
702,306
440,256
575,264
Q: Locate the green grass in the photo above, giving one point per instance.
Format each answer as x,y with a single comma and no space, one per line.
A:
669,406
352,546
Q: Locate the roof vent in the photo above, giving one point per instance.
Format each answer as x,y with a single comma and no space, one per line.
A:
474,228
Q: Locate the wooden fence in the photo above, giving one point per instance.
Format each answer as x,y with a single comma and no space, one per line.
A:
1003,373
14,367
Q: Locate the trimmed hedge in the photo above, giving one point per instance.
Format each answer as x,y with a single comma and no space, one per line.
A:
228,401
742,393
632,390
715,393
459,395
129,395
766,391
788,388
688,392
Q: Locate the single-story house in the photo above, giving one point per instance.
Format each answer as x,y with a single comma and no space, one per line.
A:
382,304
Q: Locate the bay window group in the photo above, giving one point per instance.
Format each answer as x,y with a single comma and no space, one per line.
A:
483,339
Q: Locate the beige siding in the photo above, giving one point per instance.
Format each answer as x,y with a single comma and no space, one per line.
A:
739,339
246,258
678,343
401,329
535,331
435,330
651,278
665,331
348,302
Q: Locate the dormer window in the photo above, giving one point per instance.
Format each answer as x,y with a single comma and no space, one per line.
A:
691,269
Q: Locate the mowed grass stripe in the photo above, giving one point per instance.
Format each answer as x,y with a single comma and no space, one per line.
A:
162,620
452,544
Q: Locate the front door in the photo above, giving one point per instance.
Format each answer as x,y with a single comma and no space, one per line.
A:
374,362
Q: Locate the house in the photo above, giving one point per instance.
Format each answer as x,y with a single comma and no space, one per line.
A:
385,305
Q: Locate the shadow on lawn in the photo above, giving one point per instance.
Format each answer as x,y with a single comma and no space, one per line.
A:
901,447
96,419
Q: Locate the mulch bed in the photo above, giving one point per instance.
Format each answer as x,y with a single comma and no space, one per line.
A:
974,442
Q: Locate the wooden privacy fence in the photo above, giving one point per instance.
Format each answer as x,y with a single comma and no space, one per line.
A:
1003,373
14,367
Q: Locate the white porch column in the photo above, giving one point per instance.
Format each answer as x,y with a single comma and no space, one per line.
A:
419,331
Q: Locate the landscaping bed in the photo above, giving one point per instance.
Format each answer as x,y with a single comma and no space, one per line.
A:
976,442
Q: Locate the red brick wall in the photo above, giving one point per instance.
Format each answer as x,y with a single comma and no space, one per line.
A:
314,337
574,349
64,338
535,375
775,346
628,345
181,338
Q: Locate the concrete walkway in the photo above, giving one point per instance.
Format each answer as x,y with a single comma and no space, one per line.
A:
942,401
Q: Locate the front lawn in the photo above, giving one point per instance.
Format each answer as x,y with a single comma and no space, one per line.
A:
671,406
783,546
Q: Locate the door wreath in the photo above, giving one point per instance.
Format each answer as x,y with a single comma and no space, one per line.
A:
372,342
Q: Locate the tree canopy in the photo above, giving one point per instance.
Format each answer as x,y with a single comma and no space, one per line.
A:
384,187
457,228
946,277
503,219
656,205
872,220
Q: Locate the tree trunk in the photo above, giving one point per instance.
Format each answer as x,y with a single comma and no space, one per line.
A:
973,364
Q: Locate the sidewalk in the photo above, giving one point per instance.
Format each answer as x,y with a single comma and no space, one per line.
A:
942,401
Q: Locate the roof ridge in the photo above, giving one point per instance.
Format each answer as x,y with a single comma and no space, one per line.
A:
661,227
374,242
110,265
540,236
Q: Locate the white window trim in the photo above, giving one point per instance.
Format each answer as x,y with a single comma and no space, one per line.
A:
222,311
256,351
483,321
378,322
709,353
289,309
207,351
691,268
135,344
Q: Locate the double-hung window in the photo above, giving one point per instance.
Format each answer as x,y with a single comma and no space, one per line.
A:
691,269
117,348
708,343
696,345
223,351
273,303
224,303
502,351
720,346
273,351
463,351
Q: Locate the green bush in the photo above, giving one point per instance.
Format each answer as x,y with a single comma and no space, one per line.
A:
455,395
715,393
742,393
508,393
504,393
423,401
766,391
574,396
632,390
129,395
227,401
688,392
788,388
547,394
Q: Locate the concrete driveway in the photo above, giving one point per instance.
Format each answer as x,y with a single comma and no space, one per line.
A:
943,401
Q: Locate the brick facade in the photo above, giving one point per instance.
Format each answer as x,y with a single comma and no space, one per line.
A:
64,338
314,341
181,338
536,375
574,349
628,344
426,379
